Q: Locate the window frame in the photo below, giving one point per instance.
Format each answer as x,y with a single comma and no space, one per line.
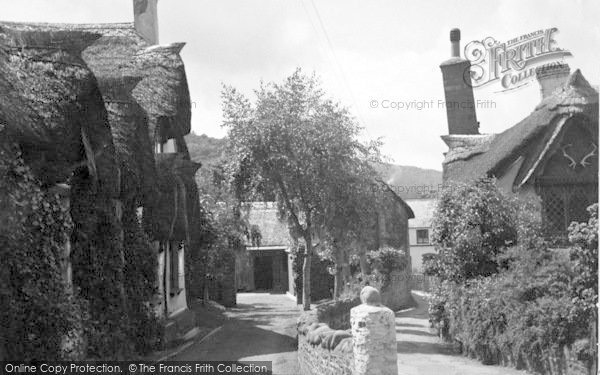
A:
420,239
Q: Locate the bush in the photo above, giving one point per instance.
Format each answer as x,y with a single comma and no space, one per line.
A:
472,225
386,260
531,302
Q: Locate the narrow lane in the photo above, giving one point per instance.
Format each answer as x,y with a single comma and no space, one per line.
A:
261,328
421,352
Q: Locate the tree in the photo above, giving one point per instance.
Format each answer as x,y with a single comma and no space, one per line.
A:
299,145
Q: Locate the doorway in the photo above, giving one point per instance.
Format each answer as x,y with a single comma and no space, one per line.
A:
263,272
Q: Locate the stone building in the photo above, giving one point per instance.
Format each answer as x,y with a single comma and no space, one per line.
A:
550,157
266,264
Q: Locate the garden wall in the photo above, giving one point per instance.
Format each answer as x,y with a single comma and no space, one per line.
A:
324,339
315,360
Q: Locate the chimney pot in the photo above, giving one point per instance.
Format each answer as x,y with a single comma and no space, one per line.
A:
455,42
146,19
455,35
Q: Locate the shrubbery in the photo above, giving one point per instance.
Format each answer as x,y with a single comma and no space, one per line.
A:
529,301
382,264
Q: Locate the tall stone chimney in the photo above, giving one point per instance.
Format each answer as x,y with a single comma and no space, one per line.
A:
146,19
551,78
460,103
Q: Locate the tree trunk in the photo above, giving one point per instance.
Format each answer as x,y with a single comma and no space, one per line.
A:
338,281
306,272
364,266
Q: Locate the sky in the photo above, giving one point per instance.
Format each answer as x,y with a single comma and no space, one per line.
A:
368,54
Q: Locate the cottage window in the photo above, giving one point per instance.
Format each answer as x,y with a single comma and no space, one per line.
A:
175,248
170,146
422,236
563,204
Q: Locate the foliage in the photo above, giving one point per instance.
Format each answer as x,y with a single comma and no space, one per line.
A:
140,284
584,254
98,263
38,310
473,224
300,145
385,261
536,301
322,281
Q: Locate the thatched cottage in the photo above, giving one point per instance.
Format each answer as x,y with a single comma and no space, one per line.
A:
550,157
100,111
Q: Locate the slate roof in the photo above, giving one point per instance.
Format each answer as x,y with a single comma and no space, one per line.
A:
527,138
423,210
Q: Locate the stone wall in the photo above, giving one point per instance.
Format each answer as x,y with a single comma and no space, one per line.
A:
315,360
323,347
336,314
362,340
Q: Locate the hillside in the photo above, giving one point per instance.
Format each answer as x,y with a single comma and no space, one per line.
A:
409,182
205,149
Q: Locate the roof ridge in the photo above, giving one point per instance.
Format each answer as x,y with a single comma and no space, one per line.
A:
110,25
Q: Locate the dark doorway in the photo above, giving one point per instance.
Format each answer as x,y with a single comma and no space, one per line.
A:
263,272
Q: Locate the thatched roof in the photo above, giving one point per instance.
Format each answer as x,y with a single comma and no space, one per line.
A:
119,50
129,128
171,216
493,154
50,99
164,92
263,217
409,212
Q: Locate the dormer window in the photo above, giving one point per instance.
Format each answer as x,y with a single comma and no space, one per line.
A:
170,146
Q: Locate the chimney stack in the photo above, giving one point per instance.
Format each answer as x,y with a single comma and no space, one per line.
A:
551,77
146,19
460,103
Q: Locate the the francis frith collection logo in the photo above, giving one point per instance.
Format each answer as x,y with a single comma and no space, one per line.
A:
512,64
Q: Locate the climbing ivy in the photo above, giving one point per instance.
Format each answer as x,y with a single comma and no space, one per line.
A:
39,312
140,284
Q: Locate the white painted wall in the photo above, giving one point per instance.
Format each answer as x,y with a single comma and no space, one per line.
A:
417,250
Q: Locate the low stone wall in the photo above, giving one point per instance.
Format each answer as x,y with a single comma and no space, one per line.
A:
316,360
336,314
324,339
364,342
